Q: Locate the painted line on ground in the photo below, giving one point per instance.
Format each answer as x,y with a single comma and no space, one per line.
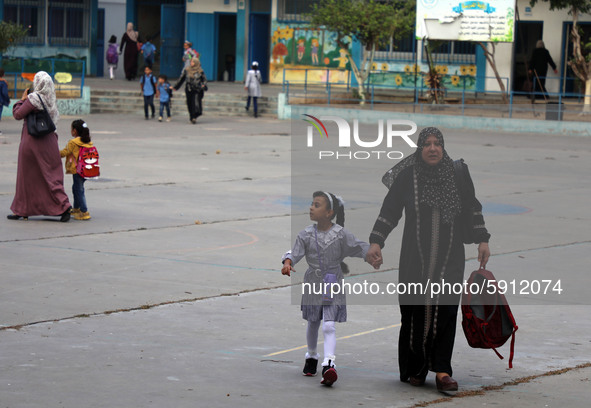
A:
379,329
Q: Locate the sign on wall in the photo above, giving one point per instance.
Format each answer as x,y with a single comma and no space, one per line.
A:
487,21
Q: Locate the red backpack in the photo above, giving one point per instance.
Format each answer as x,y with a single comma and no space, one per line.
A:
487,319
87,165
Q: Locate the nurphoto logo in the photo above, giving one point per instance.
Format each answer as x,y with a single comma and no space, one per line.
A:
362,149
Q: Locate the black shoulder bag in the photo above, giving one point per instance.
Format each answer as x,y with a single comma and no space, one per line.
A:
39,123
467,214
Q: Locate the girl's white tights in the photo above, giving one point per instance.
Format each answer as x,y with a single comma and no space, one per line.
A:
330,340
111,73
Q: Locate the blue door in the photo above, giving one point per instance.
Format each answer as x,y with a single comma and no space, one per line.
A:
258,47
100,43
172,31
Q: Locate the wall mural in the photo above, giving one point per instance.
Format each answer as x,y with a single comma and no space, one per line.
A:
301,54
402,74
297,48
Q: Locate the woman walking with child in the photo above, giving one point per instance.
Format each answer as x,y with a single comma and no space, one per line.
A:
195,86
425,187
39,178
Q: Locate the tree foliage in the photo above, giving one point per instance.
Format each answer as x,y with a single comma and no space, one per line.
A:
10,35
369,22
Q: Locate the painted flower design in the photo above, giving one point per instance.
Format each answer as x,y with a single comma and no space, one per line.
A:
455,80
398,80
472,70
384,66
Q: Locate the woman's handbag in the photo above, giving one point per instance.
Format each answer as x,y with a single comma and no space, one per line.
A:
39,123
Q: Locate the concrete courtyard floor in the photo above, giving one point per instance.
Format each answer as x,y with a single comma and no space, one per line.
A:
171,296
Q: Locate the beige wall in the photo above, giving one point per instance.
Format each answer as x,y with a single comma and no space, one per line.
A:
211,6
552,36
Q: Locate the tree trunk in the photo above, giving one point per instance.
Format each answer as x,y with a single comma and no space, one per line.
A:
578,64
360,74
490,57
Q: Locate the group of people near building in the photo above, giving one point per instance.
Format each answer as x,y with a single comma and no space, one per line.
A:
192,76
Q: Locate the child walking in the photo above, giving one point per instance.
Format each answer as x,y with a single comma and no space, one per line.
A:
148,50
253,86
164,91
112,56
81,138
325,245
148,87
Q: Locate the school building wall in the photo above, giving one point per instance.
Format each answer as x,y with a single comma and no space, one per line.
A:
47,50
204,28
553,37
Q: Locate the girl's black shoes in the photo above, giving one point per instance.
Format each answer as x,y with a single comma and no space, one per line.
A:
310,367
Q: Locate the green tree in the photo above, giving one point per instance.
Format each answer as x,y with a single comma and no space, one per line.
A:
370,23
10,35
580,62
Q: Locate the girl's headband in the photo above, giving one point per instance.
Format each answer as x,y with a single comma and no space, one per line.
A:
329,196
339,199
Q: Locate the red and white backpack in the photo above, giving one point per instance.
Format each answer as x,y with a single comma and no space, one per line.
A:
87,165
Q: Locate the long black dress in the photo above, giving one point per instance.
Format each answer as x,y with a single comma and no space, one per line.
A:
194,91
129,57
428,324
539,61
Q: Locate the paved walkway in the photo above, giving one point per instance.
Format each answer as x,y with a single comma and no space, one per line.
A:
171,295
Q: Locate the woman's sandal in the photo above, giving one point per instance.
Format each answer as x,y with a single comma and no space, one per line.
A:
16,217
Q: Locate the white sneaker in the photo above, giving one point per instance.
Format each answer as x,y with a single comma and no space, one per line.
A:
159,118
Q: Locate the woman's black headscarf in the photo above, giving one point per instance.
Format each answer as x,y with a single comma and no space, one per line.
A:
437,185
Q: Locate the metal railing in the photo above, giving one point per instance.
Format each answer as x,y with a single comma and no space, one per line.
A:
15,66
420,98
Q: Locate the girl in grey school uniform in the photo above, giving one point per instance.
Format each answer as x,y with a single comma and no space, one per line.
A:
324,245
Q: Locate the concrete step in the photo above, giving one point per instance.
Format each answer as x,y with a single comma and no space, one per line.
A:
138,100
131,102
182,110
213,95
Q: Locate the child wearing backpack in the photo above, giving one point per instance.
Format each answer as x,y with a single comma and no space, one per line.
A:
164,93
82,162
112,56
324,245
148,87
148,50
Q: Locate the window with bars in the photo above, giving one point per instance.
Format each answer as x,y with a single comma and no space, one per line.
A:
295,10
458,52
68,22
31,15
400,50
